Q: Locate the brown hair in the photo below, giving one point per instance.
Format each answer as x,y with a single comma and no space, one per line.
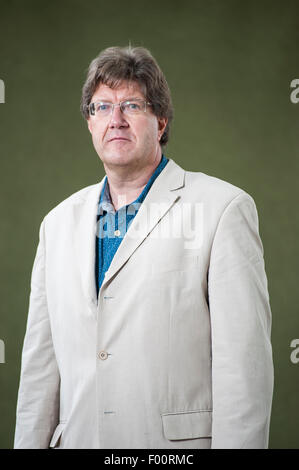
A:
116,64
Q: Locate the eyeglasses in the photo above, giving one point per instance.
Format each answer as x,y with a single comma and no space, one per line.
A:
129,107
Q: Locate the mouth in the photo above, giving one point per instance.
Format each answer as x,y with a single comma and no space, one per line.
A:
118,138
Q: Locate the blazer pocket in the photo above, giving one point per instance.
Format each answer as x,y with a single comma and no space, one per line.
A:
56,435
187,425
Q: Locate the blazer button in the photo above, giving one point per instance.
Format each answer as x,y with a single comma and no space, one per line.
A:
103,355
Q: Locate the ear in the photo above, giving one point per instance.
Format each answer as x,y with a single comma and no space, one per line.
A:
162,123
89,125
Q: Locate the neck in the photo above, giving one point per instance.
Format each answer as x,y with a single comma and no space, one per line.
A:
125,184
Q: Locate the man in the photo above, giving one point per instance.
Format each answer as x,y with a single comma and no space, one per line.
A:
149,319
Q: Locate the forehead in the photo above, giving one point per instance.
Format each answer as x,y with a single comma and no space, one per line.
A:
125,90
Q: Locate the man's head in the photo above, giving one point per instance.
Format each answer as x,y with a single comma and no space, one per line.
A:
133,132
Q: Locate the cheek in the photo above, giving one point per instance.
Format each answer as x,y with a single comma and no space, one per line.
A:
148,132
97,133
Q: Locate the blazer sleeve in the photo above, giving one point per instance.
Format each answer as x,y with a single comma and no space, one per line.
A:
242,365
38,395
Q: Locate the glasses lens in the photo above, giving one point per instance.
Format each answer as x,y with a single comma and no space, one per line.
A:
102,108
133,106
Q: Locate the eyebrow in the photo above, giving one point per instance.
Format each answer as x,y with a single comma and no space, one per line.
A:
125,99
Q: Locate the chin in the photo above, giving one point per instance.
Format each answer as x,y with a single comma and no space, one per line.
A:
118,158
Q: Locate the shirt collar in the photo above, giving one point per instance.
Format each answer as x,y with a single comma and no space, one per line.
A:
105,203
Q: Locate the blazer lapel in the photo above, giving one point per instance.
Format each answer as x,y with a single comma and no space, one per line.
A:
157,203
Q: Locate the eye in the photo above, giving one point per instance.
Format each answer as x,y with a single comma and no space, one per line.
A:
132,106
102,107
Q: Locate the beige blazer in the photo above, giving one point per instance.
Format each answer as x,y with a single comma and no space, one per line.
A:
175,352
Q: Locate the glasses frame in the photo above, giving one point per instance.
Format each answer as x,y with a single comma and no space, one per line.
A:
114,105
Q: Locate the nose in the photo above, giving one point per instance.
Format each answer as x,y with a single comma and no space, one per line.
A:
117,118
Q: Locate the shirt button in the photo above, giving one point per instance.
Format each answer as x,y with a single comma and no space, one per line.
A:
103,355
117,233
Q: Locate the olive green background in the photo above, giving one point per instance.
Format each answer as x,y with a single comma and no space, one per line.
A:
229,65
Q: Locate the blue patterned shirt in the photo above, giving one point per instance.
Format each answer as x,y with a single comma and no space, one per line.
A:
113,225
